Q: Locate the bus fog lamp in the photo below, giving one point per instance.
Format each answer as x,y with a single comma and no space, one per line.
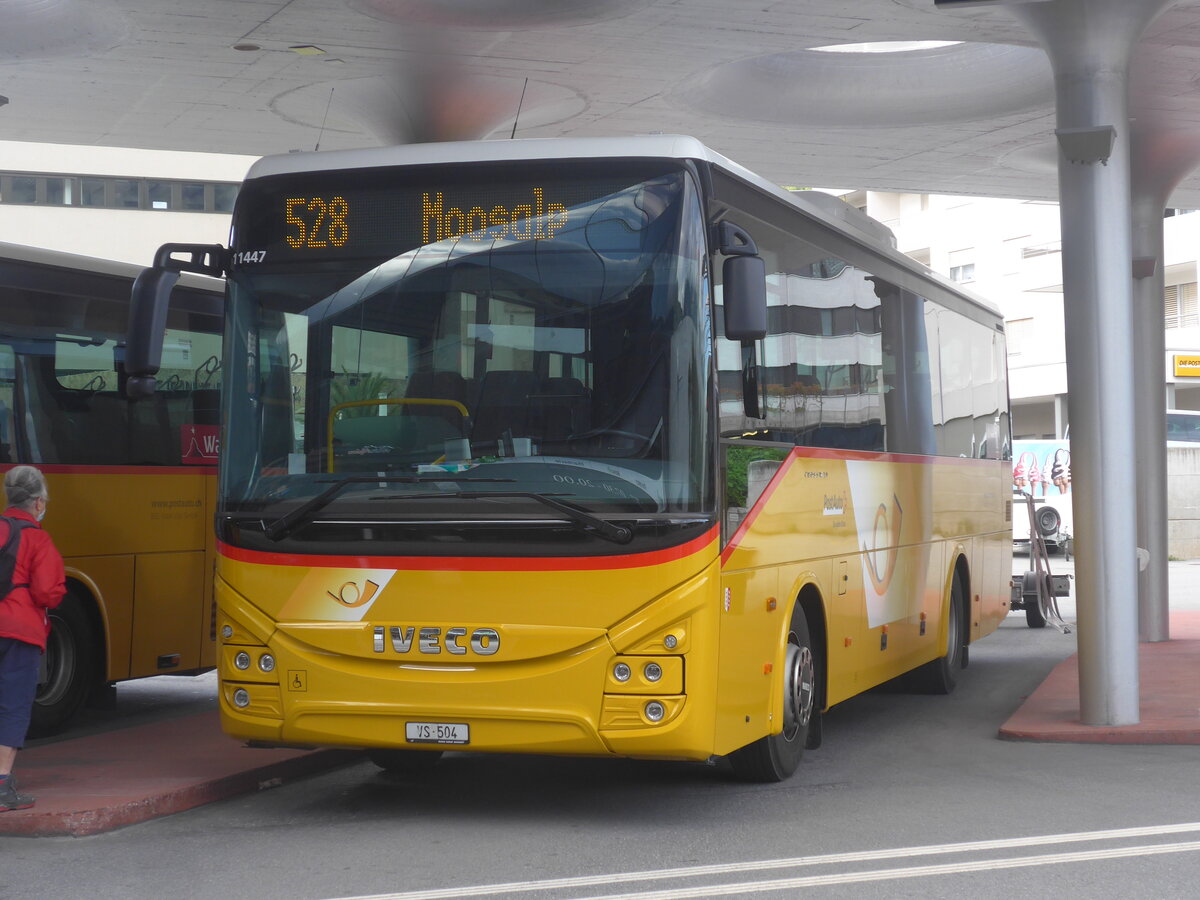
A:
242,661
670,642
266,662
227,631
653,671
655,711
621,672
241,699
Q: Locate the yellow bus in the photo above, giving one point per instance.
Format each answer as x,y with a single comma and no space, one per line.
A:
597,447
133,482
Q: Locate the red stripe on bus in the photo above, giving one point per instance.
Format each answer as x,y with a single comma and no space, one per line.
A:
55,469
473,563
881,456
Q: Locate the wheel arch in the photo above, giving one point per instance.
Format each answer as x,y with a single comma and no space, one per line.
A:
91,598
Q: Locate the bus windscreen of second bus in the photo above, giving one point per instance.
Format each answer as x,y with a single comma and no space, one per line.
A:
547,338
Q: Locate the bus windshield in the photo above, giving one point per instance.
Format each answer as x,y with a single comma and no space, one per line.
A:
409,347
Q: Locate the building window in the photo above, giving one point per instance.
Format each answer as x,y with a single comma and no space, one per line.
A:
1179,306
962,264
23,190
159,194
223,197
192,197
1018,333
115,193
60,191
93,191
965,272
1041,249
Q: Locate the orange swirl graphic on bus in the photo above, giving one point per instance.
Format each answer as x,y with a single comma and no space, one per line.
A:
885,535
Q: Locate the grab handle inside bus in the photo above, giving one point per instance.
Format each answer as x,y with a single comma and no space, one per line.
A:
150,297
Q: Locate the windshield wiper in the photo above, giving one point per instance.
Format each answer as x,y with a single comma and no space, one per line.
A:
286,524
618,534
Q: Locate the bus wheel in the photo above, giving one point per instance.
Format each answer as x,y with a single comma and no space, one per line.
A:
67,671
940,676
776,756
404,762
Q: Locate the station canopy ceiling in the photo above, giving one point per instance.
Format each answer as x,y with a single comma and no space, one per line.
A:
912,98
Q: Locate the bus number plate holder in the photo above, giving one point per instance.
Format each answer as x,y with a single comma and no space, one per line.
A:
437,732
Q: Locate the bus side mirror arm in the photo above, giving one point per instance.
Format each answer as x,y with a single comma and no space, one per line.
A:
149,300
744,296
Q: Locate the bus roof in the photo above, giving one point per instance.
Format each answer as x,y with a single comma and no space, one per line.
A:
40,256
824,208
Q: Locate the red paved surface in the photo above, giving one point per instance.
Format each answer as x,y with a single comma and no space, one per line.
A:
1170,697
100,782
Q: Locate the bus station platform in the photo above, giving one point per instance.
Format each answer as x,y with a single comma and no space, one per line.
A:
1169,692
96,783
100,782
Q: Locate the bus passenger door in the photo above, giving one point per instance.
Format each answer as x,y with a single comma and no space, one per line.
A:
165,636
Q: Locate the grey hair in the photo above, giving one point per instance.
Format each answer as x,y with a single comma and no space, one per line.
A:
23,485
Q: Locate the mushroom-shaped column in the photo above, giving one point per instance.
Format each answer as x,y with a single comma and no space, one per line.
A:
1090,44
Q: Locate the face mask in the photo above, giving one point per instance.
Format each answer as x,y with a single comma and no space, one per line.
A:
41,515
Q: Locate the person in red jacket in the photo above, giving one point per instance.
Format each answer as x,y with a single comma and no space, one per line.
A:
38,586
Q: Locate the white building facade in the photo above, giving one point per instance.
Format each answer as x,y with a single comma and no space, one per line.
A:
115,203
1009,252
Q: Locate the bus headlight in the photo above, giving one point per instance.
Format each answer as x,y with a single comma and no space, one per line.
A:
652,671
242,661
655,711
241,699
621,672
266,662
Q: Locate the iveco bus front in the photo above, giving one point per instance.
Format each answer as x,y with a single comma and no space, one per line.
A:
479,487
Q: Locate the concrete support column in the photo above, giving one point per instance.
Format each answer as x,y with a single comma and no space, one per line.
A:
1163,154
1150,415
1090,43
1061,419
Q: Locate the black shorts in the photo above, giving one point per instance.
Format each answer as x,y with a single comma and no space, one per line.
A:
19,664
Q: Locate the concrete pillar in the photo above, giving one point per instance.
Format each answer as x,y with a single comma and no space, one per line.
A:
1163,154
1090,43
1061,420
1150,415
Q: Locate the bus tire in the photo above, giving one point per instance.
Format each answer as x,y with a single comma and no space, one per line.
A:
68,671
777,756
940,676
404,762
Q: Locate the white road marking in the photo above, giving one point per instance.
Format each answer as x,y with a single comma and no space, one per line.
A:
797,862
783,884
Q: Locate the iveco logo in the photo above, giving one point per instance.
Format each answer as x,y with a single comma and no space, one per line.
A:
455,641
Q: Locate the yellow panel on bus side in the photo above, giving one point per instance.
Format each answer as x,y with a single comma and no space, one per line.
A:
749,629
165,614
110,580
128,511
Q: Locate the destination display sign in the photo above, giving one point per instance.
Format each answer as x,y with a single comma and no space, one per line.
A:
385,212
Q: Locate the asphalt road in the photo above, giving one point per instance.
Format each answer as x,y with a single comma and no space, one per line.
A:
910,796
